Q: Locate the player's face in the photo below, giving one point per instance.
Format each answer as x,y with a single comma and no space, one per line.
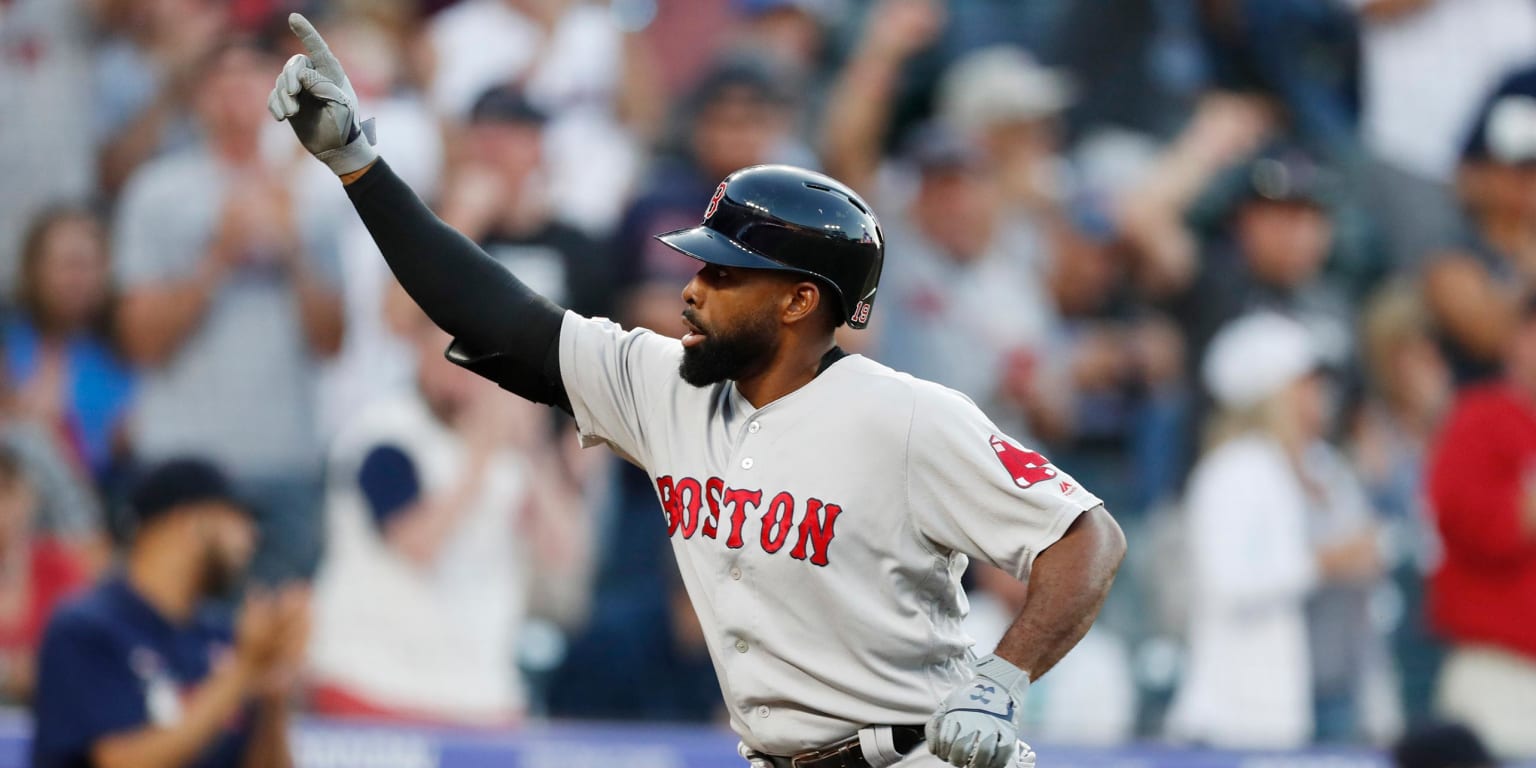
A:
732,323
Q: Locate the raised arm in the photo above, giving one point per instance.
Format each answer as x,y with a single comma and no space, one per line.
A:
502,329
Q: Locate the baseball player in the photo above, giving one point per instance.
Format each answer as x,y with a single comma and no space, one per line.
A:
821,506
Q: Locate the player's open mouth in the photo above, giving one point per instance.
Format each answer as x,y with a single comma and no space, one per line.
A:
694,336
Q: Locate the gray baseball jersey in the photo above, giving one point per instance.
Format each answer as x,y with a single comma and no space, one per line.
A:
821,537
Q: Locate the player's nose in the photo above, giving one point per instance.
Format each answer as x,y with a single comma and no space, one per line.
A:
692,291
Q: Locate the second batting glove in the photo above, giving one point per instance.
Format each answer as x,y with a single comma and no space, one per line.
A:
977,725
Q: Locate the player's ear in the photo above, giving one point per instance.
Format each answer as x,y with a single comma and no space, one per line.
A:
801,302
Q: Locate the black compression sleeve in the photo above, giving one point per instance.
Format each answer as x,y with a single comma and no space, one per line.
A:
502,330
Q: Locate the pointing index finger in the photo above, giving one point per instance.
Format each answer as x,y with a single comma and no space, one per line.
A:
319,53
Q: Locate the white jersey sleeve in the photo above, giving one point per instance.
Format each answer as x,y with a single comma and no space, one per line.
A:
616,379
973,489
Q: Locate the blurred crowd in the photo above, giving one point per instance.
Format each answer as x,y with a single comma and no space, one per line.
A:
1261,273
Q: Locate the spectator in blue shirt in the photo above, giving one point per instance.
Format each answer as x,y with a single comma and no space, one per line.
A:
58,351
135,673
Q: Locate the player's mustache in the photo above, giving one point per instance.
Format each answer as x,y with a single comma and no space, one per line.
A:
692,318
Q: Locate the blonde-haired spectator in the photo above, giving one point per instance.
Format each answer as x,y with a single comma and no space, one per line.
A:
1276,526
1408,391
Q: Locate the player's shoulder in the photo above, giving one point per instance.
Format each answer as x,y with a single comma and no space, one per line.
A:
881,386
578,328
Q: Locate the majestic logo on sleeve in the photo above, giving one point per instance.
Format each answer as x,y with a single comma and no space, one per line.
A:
712,510
1026,467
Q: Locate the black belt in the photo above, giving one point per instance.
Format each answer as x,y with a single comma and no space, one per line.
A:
848,754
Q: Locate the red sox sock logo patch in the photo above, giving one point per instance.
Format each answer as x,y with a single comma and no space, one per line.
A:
709,509
1026,467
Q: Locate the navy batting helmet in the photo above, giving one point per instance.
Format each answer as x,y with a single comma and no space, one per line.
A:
786,218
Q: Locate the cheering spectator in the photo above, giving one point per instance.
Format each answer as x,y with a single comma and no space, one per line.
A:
575,62
1475,286
1483,595
1408,392
1271,256
45,139
951,254
36,571
1009,105
451,517
137,672
145,74
229,301
738,115
1257,501
496,200
1426,64
58,350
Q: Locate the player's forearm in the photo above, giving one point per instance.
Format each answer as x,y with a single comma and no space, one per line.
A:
1067,586
462,289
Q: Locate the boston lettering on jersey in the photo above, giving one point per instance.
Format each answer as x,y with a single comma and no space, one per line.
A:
710,509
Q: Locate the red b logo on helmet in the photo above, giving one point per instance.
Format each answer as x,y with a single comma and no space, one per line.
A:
714,202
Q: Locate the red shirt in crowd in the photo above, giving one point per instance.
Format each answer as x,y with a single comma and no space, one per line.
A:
55,573
1482,478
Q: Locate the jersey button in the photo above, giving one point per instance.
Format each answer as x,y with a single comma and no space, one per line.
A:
741,645
754,427
736,574
746,463
762,710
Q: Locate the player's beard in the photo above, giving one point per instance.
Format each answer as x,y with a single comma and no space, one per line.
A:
729,355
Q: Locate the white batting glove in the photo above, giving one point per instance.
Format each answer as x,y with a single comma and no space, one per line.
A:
977,725
315,97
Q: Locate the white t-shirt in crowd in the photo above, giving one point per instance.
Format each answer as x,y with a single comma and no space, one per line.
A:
1426,73
46,148
573,72
438,640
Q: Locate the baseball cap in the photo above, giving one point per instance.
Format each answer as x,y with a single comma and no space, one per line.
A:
176,483
1285,174
936,146
997,84
753,75
1509,134
506,104
1255,357
1441,745
1502,131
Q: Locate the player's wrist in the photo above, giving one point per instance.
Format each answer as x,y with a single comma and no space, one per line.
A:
1005,673
348,160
